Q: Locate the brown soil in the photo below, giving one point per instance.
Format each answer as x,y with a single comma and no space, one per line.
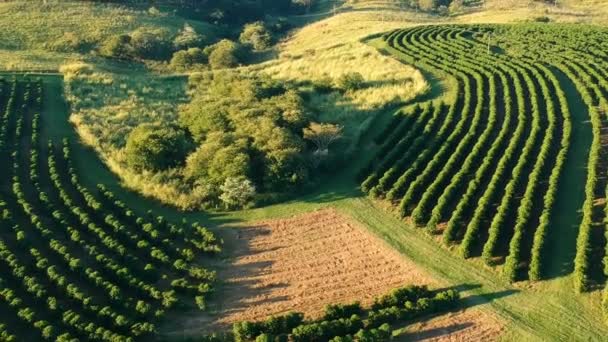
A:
305,262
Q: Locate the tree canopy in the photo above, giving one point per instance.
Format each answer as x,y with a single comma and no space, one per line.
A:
246,127
154,148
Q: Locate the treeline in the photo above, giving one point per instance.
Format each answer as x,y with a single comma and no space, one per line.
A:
214,35
347,322
185,50
233,11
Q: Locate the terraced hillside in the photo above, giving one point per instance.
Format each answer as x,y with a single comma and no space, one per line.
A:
514,169
76,263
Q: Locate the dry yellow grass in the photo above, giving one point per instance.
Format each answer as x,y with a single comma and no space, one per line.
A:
333,47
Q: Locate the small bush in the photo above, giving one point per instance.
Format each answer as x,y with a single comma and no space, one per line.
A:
69,42
187,59
118,46
151,44
543,19
256,35
323,85
350,81
188,38
335,311
224,54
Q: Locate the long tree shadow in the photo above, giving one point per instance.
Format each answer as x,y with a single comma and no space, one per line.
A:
466,303
434,333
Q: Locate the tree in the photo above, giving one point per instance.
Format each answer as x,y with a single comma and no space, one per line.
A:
427,5
306,4
155,148
322,135
151,43
187,59
456,6
117,46
223,54
188,38
237,192
220,157
256,35
350,81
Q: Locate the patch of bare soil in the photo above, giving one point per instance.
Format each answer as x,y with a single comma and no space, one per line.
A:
462,326
303,263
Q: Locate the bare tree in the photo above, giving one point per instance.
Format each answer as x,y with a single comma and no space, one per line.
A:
322,135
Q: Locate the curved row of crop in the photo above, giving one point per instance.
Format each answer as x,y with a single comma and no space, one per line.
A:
540,235
525,210
582,265
508,201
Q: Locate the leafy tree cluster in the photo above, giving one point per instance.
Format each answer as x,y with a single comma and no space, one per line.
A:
143,43
443,7
241,139
246,128
186,50
349,322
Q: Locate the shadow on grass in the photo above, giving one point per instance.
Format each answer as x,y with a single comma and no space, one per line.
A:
567,216
466,303
434,333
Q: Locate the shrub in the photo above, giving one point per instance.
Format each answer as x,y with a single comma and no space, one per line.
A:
274,326
118,46
151,43
187,59
69,42
325,330
224,54
335,311
542,19
382,333
256,35
188,38
237,192
350,81
244,331
323,85
264,338
400,295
